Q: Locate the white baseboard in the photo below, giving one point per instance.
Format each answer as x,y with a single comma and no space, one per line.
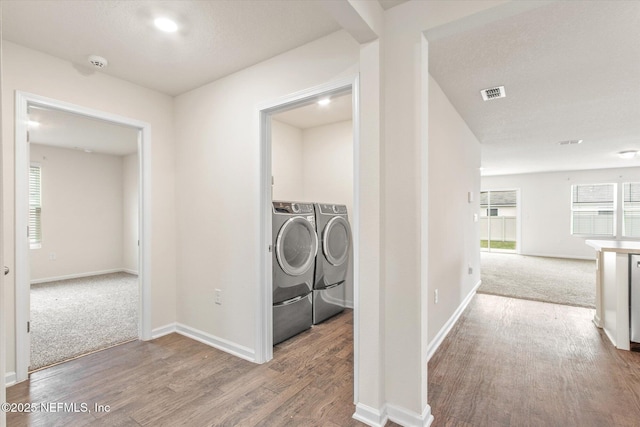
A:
219,343
134,272
371,416
444,331
560,256
348,304
597,321
408,418
163,330
10,378
79,275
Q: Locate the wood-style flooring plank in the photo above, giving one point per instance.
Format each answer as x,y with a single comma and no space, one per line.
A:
177,381
510,362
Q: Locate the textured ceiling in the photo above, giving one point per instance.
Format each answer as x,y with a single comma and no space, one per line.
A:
313,115
216,38
67,130
571,70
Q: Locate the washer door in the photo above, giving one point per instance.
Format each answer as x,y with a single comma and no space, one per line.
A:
336,239
296,246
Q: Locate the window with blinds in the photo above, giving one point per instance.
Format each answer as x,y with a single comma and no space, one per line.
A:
35,206
631,209
593,209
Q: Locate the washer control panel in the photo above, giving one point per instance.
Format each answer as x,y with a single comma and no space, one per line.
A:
293,207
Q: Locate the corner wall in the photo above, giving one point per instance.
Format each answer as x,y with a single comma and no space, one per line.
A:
82,205
454,239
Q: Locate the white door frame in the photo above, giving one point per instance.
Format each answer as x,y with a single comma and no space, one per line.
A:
264,319
23,101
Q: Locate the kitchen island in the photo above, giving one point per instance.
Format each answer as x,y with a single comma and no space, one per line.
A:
612,288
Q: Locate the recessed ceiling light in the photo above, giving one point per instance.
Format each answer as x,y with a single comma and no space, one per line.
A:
166,25
324,101
630,154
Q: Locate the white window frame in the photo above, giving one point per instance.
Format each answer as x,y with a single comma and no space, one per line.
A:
614,209
625,210
37,244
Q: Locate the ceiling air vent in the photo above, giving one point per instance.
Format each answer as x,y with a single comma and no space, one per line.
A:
493,93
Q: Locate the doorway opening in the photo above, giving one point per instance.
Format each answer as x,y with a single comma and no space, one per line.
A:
342,88
82,192
499,220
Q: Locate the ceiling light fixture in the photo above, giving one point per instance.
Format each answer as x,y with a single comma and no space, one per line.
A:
629,154
33,124
324,101
166,25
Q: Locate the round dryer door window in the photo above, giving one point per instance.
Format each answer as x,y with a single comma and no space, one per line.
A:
336,240
296,246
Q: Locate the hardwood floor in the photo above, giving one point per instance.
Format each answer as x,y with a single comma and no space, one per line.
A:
511,362
507,362
176,381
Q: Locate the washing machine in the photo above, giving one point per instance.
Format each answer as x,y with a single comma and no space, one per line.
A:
294,249
332,261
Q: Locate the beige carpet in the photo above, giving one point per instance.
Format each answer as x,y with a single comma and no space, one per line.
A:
73,317
554,280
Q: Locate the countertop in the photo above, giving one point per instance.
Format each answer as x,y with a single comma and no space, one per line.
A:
622,246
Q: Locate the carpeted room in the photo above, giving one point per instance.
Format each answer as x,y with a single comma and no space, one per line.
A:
83,252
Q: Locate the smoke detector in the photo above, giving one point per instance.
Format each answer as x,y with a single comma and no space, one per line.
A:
493,93
97,61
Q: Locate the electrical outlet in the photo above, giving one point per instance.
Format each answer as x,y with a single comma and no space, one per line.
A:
52,256
218,297
470,269
435,296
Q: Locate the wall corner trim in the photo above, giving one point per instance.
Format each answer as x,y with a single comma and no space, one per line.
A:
442,334
10,378
371,416
219,343
408,418
163,330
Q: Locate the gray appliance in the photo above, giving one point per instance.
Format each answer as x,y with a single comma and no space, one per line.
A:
295,245
634,297
332,262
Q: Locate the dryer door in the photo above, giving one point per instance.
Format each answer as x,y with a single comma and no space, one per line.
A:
336,239
296,246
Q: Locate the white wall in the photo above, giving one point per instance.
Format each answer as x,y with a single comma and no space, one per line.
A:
218,184
286,162
328,172
545,206
130,183
31,71
82,206
454,171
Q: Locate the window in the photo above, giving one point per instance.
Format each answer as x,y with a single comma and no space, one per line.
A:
593,209
492,212
35,207
631,209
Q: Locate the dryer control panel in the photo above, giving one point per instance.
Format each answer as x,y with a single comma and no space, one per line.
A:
293,207
329,209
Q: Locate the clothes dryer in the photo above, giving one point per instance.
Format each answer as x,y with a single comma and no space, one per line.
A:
332,261
294,249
